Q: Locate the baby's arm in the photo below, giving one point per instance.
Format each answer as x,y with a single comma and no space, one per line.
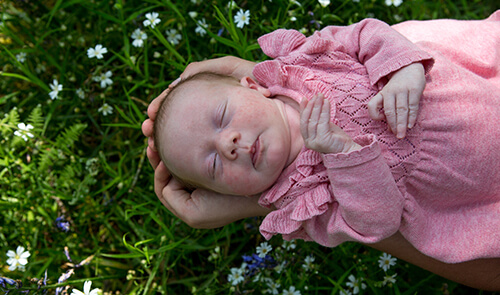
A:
368,204
388,57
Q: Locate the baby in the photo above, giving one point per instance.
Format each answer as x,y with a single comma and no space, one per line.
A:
310,140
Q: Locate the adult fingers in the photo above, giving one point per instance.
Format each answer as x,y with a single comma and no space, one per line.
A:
147,127
155,104
179,201
401,114
153,157
161,179
375,105
151,144
211,65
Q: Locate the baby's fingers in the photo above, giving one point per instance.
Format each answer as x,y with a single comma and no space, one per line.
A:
413,105
390,110
312,114
305,114
375,105
401,114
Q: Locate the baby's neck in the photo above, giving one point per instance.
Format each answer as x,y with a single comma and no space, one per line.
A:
292,111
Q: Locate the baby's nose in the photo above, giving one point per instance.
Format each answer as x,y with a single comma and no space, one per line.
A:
228,144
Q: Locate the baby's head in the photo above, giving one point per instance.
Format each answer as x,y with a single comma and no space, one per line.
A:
226,135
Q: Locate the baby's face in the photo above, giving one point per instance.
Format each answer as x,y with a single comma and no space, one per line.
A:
230,138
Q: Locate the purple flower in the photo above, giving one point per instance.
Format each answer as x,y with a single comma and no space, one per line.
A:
62,224
6,280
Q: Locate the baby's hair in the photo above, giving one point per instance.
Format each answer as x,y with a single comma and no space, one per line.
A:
159,124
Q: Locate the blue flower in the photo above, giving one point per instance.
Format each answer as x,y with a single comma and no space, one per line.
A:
62,224
4,280
255,262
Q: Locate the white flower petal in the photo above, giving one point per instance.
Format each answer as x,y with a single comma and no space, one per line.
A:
86,287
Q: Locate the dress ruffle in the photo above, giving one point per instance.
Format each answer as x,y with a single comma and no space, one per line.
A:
294,208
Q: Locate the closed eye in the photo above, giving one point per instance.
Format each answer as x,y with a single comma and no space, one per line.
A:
223,114
214,165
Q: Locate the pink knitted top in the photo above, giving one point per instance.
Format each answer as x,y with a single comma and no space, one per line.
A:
439,186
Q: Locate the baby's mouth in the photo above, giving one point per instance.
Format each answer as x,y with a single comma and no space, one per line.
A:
255,151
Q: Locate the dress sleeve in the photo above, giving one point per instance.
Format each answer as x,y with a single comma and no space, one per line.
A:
360,202
380,48
370,202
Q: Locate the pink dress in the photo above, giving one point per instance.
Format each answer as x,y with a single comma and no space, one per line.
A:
439,186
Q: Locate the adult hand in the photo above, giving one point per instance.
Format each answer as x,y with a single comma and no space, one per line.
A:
400,99
227,65
202,208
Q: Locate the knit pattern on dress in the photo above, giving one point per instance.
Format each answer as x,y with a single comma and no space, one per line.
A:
306,66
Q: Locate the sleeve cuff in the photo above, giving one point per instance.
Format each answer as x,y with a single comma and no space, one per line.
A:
370,150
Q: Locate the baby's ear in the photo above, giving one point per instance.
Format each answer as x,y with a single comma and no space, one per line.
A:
252,84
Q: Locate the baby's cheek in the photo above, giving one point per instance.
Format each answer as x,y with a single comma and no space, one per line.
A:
239,182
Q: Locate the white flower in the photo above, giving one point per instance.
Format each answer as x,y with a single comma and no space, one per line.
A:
236,276
86,290
201,28
242,18
263,249
173,37
389,279
386,261
19,258
139,38
355,1
80,93
40,68
273,287
291,291
106,109
23,131
193,14
97,52
355,284
393,2
21,57
104,78
345,292
231,5
152,19
324,3
308,262
289,245
280,267
56,87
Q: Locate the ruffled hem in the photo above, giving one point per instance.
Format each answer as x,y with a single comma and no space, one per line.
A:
289,219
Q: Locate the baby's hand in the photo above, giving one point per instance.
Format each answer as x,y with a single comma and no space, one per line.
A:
400,98
318,132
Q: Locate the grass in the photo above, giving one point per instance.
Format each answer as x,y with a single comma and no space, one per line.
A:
88,167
